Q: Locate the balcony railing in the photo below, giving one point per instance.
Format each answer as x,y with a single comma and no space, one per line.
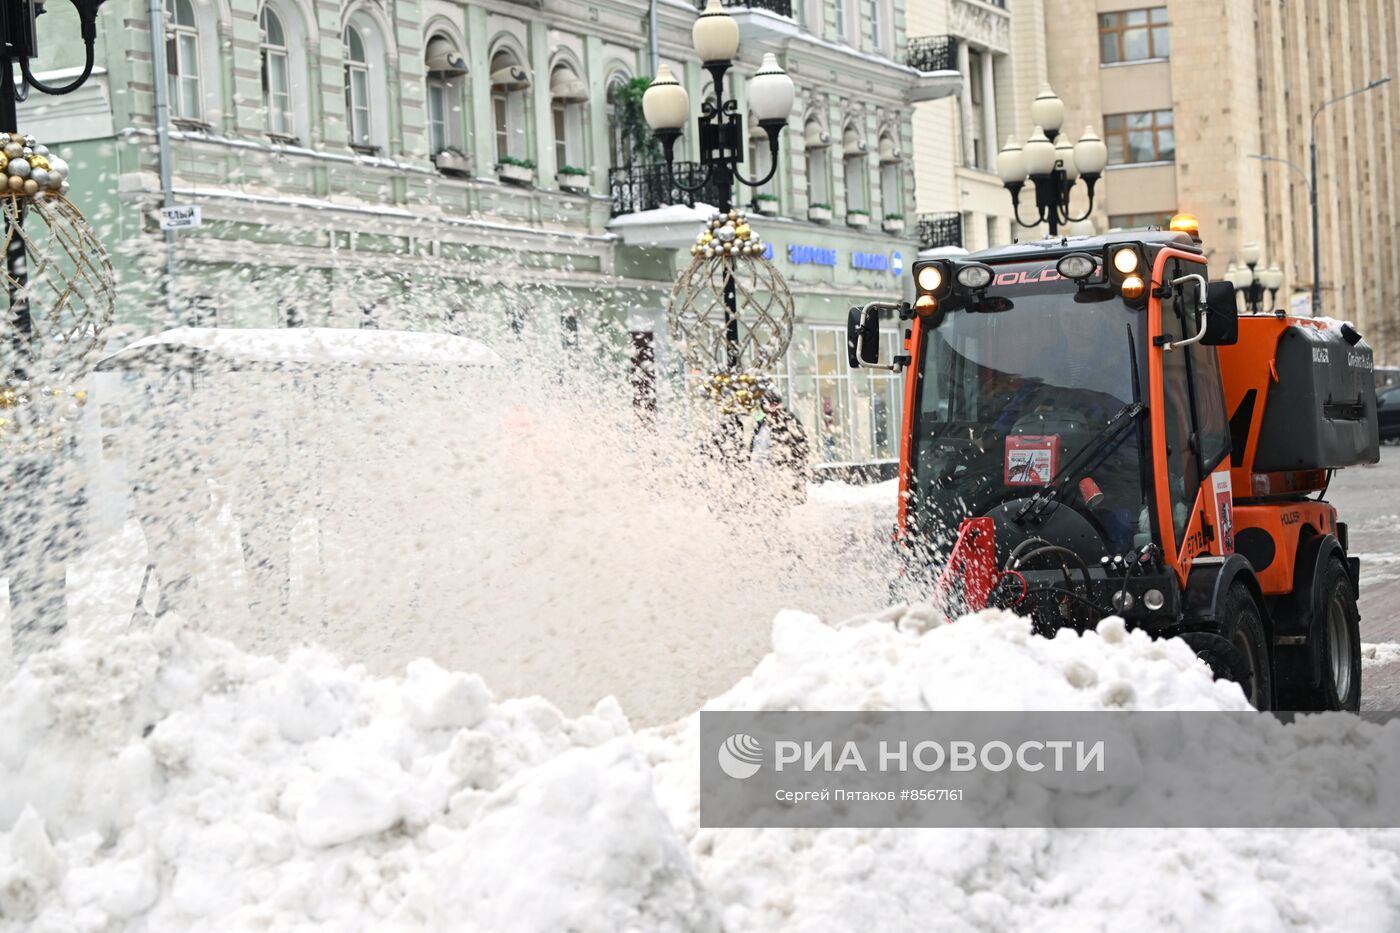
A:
937,230
776,7
647,187
932,53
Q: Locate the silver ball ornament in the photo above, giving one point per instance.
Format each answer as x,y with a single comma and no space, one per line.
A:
41,150
58,167
40,177
19,167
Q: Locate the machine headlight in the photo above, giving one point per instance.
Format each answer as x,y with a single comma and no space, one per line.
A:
1076,266
1125,260
974,276
925,305
929,279
1134,287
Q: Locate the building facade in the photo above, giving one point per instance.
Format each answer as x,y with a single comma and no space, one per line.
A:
1188,93
430,162
998,49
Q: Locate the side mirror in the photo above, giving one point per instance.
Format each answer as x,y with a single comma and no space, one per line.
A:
862,337
1222,323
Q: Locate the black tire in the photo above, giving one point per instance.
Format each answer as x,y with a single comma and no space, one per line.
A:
1225,661
1243,627
1339,645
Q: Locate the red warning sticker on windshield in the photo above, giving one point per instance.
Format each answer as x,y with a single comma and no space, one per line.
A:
1032,459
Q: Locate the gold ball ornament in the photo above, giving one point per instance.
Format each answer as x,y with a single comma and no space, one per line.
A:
39,161
30,186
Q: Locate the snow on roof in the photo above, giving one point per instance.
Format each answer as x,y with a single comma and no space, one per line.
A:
324,345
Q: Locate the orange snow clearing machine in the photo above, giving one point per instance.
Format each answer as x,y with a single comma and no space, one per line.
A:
1091,428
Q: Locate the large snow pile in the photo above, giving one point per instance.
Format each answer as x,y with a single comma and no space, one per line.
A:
166,781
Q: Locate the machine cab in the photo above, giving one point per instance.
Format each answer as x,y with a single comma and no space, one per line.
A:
1068,390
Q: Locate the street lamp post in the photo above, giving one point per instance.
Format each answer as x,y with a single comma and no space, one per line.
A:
19,42
1252,282
1311,180
1053,167
1312,155
666,106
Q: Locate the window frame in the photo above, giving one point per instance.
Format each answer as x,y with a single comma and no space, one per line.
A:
182,38
362,141
1115,24
1117,129
267,50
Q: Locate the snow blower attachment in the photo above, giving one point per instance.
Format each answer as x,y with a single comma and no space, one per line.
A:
1109,436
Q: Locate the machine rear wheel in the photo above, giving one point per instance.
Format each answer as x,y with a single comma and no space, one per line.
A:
1339,647
1243,628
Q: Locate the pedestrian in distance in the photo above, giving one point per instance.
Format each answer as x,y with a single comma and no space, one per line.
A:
779,450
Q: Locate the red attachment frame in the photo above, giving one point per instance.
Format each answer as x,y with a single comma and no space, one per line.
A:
971,574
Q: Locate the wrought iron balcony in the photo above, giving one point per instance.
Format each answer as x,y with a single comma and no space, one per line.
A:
937,230
647,187
932,53
776,7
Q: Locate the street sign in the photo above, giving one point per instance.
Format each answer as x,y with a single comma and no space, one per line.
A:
180,217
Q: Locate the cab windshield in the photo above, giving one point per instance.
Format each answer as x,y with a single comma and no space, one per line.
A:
1009,398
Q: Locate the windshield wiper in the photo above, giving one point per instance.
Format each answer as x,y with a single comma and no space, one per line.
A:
1054,490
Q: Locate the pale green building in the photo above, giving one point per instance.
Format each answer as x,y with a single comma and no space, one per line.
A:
360,164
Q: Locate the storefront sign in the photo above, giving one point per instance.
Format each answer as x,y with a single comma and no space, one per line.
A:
873,262
897,263
811,255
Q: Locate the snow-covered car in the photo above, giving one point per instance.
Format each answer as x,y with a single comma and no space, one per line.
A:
261,430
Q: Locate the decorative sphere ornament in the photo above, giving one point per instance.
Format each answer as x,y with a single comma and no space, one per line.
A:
58,166
38,161
42,150
72,296
698,313
19,167
40,177
14,150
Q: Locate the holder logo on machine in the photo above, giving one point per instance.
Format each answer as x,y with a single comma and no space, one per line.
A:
740,756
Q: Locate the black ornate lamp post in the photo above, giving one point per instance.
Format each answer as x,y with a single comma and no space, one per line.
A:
1052,167
35,507
1253,283
666,106
19,42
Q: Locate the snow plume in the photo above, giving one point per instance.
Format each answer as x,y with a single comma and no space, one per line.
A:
527,519
164,780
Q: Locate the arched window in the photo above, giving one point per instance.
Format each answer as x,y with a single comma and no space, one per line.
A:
276,75
891,197
447,71
567,94
509,82
357,104
182,61
817,142
855,176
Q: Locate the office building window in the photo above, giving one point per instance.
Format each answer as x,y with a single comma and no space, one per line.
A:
1139,137
1133,35
1160,219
